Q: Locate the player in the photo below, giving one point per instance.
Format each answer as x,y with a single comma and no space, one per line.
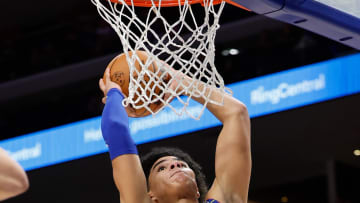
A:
13,179
173,177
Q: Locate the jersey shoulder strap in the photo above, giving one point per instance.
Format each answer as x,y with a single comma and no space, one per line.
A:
212,201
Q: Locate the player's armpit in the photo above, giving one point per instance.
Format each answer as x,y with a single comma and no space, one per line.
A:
130,179
215,192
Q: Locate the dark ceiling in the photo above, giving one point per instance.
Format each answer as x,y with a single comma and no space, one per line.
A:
52,54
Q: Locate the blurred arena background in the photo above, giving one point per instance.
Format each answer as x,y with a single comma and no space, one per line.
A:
53,54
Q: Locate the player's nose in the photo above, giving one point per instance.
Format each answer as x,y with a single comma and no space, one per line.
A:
175,164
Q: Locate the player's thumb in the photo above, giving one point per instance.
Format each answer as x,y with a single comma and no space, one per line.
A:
102,85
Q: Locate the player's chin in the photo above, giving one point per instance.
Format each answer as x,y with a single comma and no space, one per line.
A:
185,185
183,179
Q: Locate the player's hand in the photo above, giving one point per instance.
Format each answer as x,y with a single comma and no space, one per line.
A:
164,67
106,85
177,79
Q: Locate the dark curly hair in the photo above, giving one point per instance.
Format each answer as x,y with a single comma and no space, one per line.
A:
150,158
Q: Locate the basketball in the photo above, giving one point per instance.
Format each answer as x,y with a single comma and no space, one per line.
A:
120,74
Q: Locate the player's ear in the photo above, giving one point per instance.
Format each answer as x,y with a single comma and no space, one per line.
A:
152,196
197,194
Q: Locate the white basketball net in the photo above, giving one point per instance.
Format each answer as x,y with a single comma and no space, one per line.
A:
186,44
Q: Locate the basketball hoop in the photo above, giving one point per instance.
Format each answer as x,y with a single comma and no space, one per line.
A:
171,3
186,44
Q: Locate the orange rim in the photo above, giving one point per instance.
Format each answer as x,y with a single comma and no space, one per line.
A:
171,3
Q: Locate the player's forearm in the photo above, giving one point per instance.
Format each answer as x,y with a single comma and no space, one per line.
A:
129,178
233,145
13,179
127,171
115,126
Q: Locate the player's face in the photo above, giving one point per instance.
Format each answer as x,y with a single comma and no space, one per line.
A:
171,176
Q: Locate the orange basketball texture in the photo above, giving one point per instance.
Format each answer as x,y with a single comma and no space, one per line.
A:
120,74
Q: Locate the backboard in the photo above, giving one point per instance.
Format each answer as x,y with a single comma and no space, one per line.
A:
335,19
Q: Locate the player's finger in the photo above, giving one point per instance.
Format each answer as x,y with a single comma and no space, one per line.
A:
168,97
131,112
103,100
107,74
102,85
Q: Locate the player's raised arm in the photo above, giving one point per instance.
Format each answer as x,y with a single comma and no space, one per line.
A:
233,155
13,179
127,170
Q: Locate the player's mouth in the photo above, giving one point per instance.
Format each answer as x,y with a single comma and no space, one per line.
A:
176,172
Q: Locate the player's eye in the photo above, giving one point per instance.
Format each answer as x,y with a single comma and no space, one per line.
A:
161,168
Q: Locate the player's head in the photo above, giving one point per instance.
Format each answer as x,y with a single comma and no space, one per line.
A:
171,172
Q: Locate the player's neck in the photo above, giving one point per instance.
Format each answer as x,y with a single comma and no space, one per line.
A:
184,200
187,201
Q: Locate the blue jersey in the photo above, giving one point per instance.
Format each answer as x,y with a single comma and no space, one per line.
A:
212,201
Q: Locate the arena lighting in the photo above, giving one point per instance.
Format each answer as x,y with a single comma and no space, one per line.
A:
357,152
233,52
225,52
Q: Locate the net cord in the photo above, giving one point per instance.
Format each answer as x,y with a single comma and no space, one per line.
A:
200,45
